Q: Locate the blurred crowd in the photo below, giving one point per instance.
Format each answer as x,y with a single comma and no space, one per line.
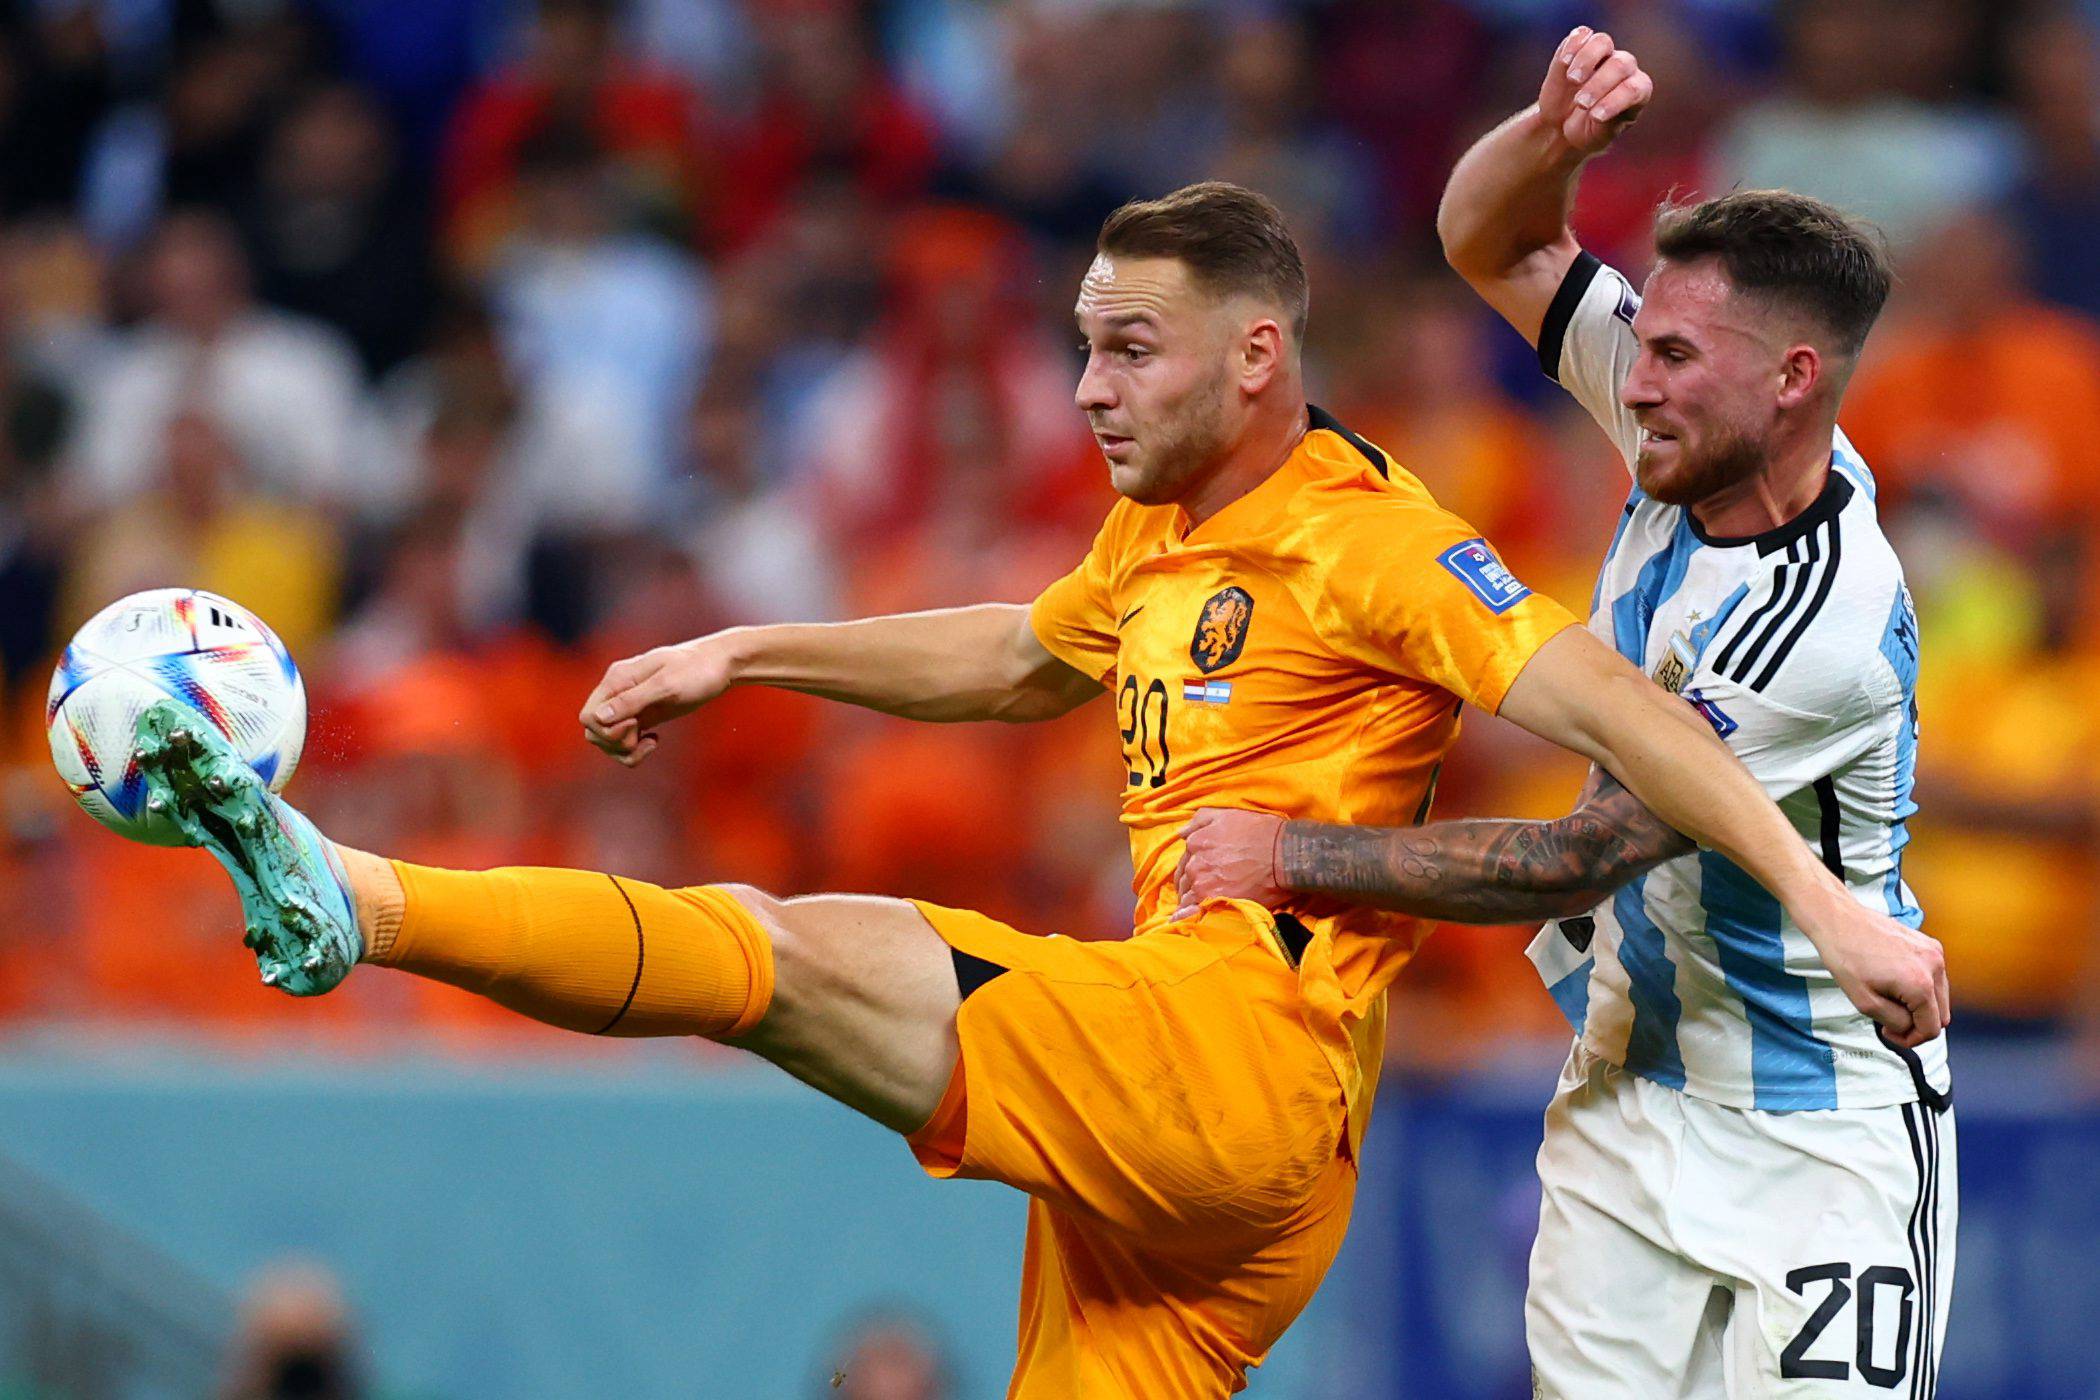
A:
475,344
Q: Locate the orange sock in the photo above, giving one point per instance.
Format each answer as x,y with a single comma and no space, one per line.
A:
586,952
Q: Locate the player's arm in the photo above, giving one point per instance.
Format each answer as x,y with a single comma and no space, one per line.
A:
1504,216
1467,872
1578,693
973,663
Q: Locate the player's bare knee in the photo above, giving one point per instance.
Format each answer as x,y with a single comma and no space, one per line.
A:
801,964
832,952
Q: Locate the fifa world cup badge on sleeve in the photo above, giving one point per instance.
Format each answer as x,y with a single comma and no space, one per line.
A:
1473,564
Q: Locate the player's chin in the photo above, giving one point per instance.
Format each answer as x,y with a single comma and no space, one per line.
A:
1663,473
1130,478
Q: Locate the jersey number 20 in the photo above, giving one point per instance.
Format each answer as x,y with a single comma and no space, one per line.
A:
1144,711
1795,1361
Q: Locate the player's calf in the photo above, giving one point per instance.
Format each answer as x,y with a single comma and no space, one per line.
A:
578,949
855,996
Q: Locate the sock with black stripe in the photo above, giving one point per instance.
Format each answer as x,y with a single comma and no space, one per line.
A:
577,949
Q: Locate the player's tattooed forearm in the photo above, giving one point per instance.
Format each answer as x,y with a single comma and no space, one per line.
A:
1483,871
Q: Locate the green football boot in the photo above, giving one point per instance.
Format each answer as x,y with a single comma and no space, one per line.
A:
295,896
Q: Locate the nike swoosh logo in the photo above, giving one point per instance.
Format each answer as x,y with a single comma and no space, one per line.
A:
1129,615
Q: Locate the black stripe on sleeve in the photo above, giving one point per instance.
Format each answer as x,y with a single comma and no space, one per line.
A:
1554,329
1815,605
639,952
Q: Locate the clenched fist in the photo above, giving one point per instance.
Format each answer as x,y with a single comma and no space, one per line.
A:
639,694
1593,90
1228,855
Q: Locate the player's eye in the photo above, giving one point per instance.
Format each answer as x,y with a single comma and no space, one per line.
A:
1135,353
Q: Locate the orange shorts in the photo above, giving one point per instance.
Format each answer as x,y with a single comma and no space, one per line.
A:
1180,1130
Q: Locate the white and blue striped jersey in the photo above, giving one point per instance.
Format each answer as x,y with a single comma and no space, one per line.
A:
1800,647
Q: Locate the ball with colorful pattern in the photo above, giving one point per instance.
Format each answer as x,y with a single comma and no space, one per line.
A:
208,652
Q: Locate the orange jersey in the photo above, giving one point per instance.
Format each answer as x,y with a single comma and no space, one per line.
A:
1305,652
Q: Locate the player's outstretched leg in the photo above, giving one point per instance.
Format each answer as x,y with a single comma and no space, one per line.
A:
295,895
854,995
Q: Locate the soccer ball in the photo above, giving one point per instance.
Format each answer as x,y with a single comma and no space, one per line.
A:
181,643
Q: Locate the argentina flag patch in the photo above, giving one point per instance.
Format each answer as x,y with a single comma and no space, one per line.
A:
1473,564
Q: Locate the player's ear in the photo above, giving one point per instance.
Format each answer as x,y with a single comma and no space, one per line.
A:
1262,350
1799,373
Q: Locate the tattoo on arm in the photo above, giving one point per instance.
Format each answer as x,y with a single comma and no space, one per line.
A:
1485,872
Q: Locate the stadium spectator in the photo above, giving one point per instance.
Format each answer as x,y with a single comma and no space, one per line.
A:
956,384
2056,89
1167,130
2008,825
55,89
200,520
35,418
1275,139
286,389
296,1339
414,606
1849,123
795,305
760,552
1982,393
227,90
752,312
1039,164
35,540
574,84
332,232
824,103
1411,373
889,1356
1414,129
607,329
415,57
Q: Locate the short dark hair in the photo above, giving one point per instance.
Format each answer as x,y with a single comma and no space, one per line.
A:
1230,238
1789,249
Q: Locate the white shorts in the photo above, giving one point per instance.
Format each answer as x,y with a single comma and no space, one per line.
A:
1687,1249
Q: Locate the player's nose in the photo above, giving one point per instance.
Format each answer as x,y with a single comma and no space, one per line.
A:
1642,388
1094,393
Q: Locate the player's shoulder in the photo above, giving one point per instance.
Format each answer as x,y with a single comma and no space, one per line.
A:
1358,492
1591,291
1381,535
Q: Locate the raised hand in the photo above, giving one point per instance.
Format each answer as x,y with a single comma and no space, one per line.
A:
1593,90
641,693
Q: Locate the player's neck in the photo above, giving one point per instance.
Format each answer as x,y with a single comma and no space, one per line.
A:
1260,452
1768,499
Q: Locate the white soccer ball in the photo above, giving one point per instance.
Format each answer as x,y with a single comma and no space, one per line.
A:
181,643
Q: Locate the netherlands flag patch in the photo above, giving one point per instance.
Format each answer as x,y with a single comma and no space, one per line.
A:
1206,692
1473,564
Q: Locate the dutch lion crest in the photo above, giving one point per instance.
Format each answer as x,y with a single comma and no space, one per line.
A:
1221,630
